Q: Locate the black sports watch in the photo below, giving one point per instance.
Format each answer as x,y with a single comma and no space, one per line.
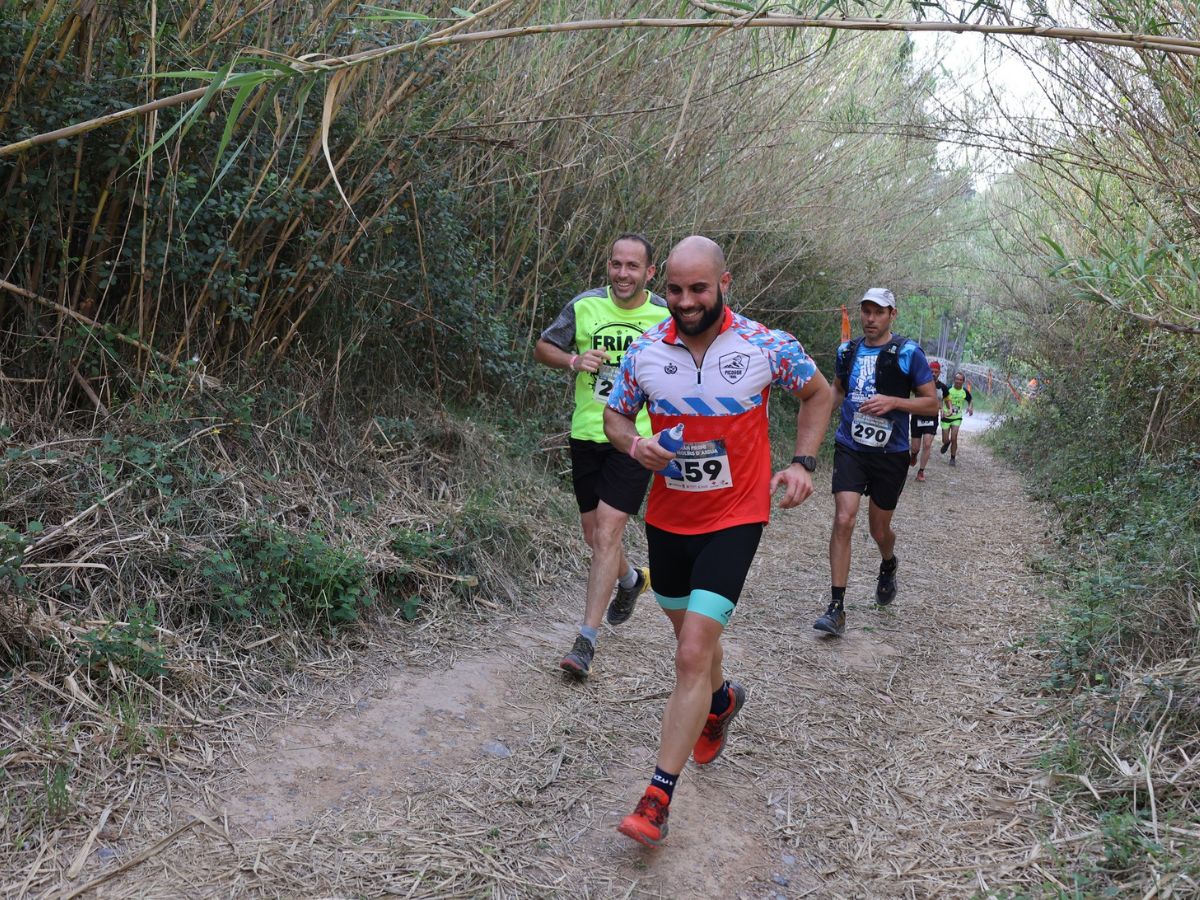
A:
809,462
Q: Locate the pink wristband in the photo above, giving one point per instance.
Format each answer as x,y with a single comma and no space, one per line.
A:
571,363
633,446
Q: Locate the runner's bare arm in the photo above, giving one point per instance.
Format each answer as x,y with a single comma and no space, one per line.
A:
555,357
621,430
817,402
924,404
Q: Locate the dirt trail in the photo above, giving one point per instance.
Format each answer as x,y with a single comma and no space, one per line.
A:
899,760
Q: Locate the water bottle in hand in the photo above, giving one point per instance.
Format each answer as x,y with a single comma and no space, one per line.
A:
671,440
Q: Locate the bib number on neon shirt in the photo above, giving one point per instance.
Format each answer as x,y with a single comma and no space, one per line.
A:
870,431
606,378
705,466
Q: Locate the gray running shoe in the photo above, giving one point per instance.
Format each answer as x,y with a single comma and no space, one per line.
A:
579,661
833,621
885,586
621,607
952,461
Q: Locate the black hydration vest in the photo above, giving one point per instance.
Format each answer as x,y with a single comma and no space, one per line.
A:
889,379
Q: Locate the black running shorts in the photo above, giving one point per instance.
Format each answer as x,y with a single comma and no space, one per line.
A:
880,476
717,561
920,425
600,472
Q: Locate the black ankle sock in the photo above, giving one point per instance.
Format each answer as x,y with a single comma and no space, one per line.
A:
720,700
888,565
664,781
839,596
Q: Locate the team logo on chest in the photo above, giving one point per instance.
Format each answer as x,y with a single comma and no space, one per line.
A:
670,368
733,366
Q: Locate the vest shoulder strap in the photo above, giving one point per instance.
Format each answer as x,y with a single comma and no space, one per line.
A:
845,362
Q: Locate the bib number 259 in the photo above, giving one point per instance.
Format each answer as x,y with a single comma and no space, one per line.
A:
697,470
705,467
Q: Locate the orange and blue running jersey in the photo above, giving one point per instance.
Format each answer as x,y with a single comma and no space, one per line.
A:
722,403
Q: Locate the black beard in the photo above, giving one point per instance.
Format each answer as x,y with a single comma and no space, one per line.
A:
706,320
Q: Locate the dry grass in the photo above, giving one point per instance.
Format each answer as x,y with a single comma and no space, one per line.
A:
93,733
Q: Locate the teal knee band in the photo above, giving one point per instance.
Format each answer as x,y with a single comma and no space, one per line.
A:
716,607
671,602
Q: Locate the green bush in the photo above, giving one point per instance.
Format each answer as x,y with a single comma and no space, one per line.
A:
131,645
270,573
12,555
1131,553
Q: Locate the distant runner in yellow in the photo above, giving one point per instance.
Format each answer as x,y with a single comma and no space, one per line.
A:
589,338
957,399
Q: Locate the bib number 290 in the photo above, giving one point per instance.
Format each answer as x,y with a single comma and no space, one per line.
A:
870,431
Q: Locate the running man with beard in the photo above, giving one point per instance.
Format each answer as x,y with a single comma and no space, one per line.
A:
589,338
710,370
875,375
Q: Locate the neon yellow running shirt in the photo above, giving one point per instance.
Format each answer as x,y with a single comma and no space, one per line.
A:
593,321
958,402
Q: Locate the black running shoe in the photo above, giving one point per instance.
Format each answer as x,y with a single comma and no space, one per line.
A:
621,607
579,661
944,447
885,587
834,620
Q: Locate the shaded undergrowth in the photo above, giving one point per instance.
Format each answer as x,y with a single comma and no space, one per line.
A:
1124,639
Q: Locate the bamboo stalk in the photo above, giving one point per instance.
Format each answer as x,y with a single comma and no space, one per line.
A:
79,317
23,66
71,131
1158,43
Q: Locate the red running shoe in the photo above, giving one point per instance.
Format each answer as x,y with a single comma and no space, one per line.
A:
648,823
712,738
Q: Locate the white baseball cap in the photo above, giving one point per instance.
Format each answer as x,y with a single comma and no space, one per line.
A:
880,297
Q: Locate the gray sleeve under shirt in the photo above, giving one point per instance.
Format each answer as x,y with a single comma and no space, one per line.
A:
561,332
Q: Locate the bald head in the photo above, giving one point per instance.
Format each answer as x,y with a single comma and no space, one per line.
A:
696,287
697,250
